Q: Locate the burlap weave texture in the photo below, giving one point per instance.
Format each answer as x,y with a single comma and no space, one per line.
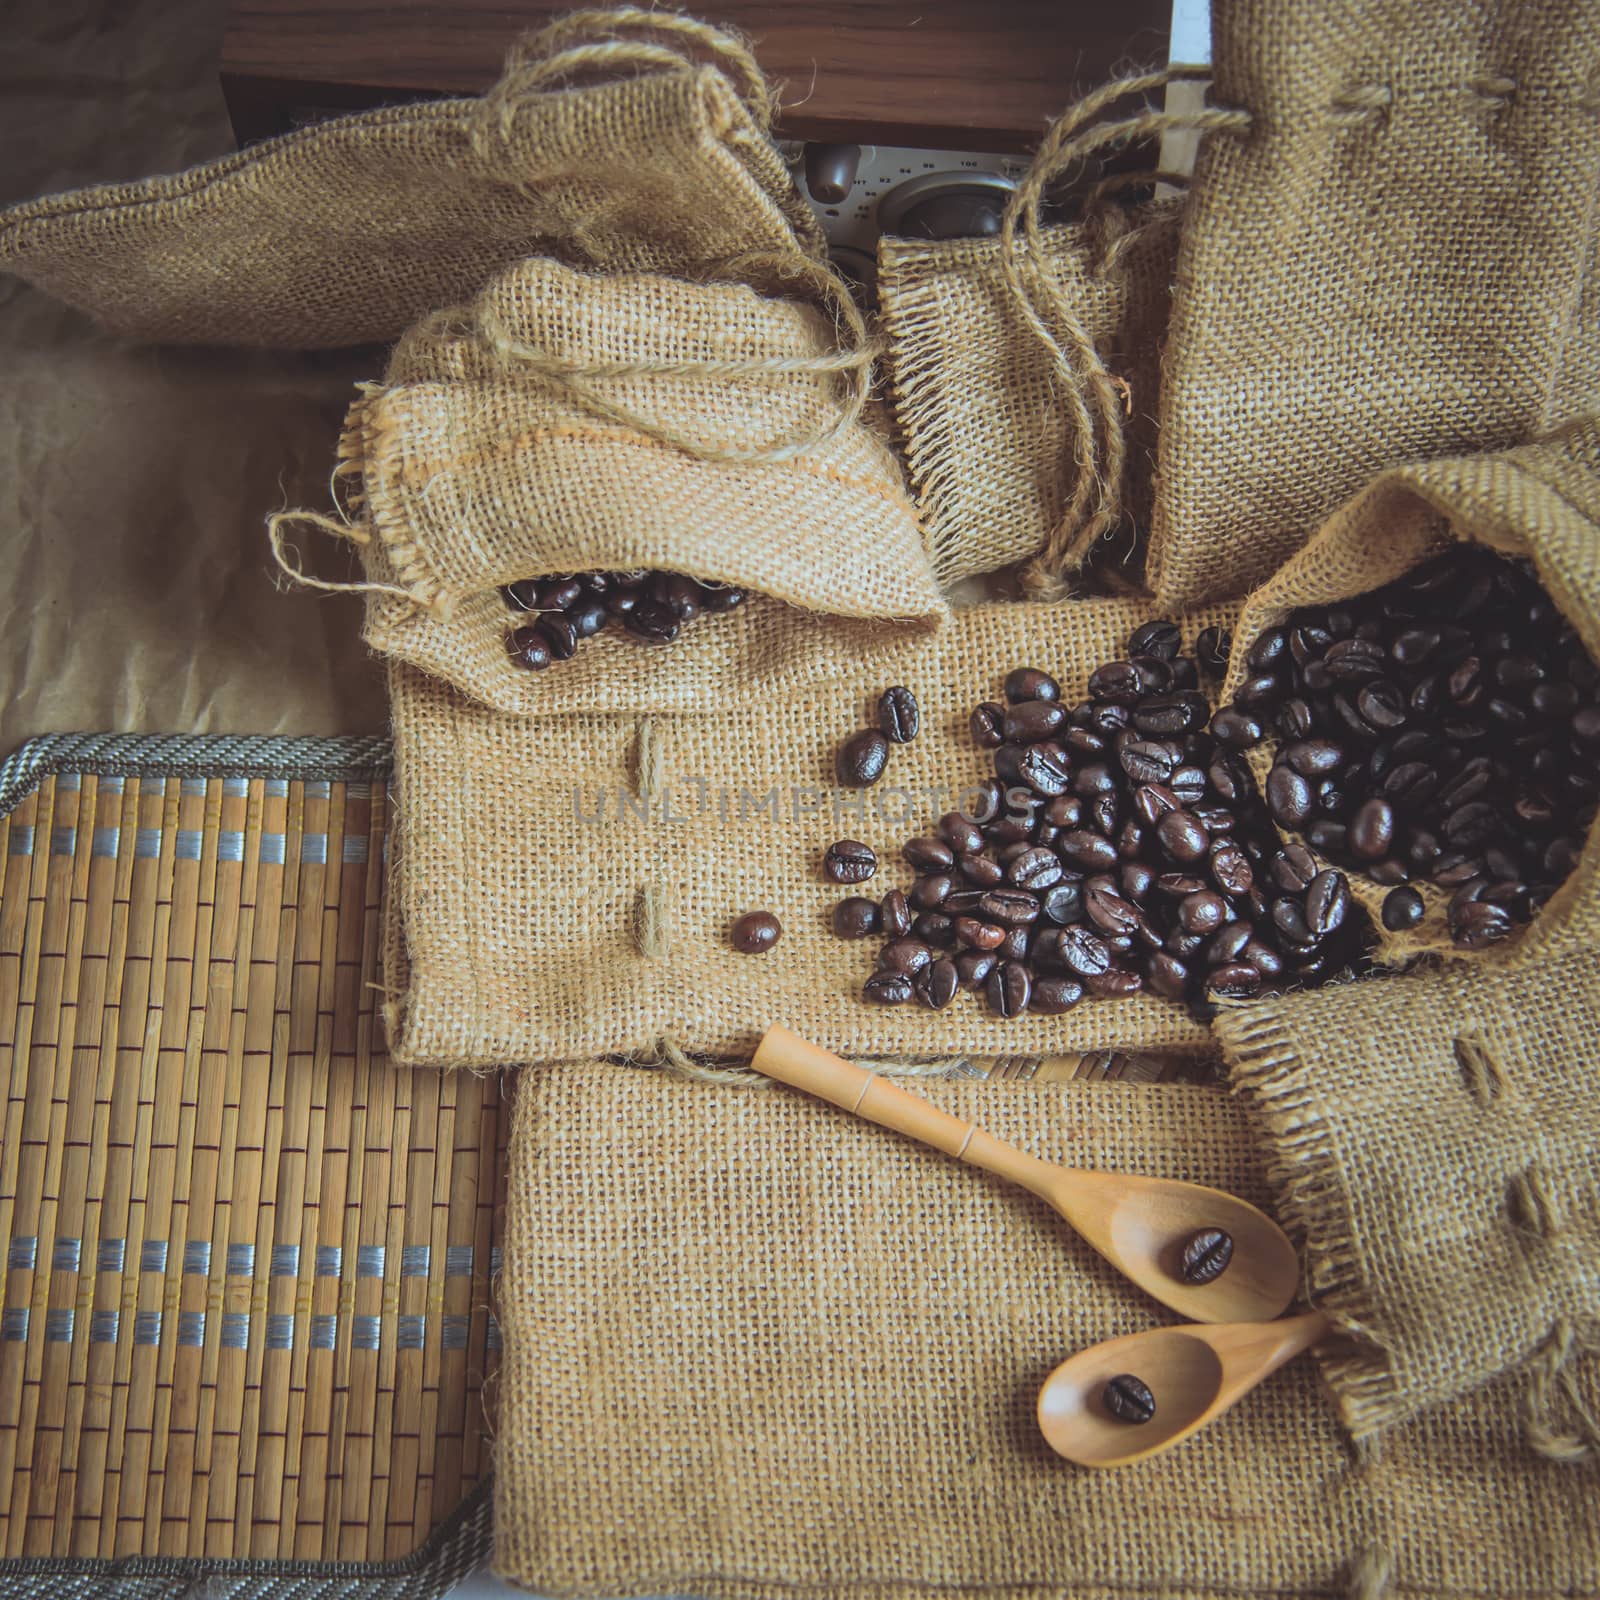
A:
1395,262
347,232
755,1347
686,788
975,392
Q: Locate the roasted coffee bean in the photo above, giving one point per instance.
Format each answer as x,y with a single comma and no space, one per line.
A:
1211,650
1166,975
1188,784
888,989
1130,840
1051,996
1327,836
721,597
558,593
961,833
1202,913
1314,758
588,619
1230,777
1152,801
527,647
754,932
1392,870
1179,884
523,595
934,928
1011,907
1293,868
1064,811
981,871
1289,918
930,893
1147,760
962,903
1082,951
849,861
895,912
1043,772
1471,825
928,855
862,759
1094,778
898,716
904,955
1372,830
1036,868
1288,797
1182,836
978,935
559,634
1327,903
1118,682
1205,1255
1016,945
1235,729
1137,880
1381,704
1062,903
1402,909
1107,909
935,986
973,966
652,622
1160,638
1171,714
1230,868
1008,989
1228,944
988,725
1029,683
1128,1399
1031,720
1478,924
1087,850
855,918
1264,959
1114,983
624,599
1236,979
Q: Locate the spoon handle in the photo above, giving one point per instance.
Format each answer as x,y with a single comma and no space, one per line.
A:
796,1061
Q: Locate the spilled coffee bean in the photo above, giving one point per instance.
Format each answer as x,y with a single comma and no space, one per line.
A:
849,861
650,607
1441,729
756,931
1121,846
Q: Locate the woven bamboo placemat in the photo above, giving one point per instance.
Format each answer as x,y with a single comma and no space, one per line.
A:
246,1317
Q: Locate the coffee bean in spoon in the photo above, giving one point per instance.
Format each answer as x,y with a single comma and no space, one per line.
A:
1205,1255
1128,1399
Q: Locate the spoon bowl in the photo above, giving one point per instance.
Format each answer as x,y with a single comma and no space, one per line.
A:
1193,1373
1140,1225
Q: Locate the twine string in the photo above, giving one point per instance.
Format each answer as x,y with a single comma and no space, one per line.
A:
1092,399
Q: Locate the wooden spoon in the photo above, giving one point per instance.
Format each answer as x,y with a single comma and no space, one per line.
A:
1140,1225
1193,1374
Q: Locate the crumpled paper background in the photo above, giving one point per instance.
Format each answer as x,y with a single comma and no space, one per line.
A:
136,589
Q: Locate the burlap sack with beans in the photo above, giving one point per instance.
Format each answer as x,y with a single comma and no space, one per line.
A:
1393,259
349,231
788,1353
573,844
1435,1135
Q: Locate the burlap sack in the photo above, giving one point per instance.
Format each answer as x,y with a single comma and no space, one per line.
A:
786,1353
1540,501
349,231
1395,262
979,401
1433,1141
565,879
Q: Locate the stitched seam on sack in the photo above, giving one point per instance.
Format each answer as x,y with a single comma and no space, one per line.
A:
1588,262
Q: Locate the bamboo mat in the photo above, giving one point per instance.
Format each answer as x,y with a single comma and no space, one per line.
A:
246,1311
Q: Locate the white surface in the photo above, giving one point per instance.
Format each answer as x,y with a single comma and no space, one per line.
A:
481,1586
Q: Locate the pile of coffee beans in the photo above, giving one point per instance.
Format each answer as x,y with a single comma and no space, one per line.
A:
864,757
567,608
1445,727
1120,846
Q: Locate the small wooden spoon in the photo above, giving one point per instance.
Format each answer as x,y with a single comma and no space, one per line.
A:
1193,1374
1140,1225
